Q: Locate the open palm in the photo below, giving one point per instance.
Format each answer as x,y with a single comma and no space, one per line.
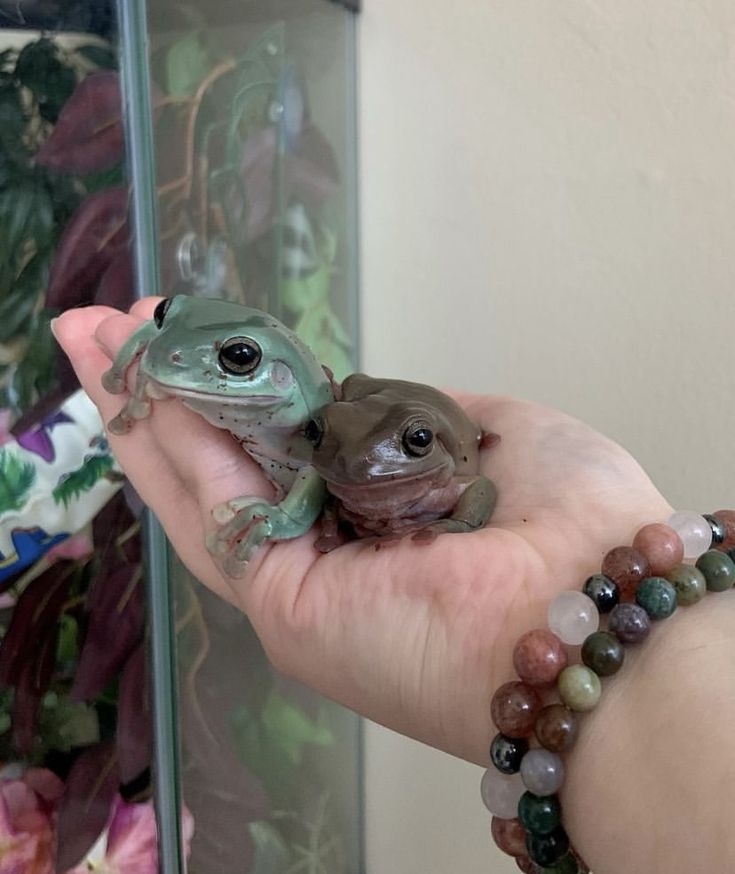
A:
413,636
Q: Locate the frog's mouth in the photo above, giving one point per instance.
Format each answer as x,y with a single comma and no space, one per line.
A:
391,480
224,399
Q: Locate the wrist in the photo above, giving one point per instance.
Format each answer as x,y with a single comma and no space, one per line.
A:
651,781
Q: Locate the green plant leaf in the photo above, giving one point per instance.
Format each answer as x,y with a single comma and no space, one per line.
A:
103,57
16,480
40,70
35,374
187,63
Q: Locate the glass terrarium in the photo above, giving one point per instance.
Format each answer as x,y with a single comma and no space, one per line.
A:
199,148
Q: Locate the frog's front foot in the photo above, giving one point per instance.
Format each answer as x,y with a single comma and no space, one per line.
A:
245,524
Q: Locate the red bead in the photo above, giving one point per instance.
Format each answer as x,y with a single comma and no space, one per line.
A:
556,728
526,865
627,567
539,657
727,517
662,547
514,709
509,835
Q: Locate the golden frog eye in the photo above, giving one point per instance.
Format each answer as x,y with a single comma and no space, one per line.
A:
418,440
239,355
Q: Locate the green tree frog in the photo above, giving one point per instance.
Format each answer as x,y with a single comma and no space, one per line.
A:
245,372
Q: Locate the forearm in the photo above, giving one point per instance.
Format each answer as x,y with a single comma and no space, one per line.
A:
651,781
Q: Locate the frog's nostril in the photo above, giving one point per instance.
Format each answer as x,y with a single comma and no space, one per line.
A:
175,358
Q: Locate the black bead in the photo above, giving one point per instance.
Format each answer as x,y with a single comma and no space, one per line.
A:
544,850
719,530
506,753
603,591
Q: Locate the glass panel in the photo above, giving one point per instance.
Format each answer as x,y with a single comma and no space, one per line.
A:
254,114
75,716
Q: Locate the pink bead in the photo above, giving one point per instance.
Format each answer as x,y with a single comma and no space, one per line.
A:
539,657
661,545
509,835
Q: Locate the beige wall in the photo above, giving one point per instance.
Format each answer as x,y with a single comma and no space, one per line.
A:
548,205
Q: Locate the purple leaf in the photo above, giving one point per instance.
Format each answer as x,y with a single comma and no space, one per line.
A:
117,286
34,619
26,701
134,726
96,233
115,628
86,803
88,136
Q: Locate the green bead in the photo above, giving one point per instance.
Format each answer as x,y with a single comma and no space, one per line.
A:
603,652
689,583
539,815
718,569
657,597
566,865
579,687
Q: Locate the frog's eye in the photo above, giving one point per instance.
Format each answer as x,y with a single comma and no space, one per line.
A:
160,311
239,355
418,439
314,431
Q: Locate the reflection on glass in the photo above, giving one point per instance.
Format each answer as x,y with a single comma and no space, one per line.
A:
256,204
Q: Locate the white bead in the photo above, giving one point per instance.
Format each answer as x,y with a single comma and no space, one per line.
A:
694,531
501,793
542,772
573,617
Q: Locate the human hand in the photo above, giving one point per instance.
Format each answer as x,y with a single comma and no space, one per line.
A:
416,637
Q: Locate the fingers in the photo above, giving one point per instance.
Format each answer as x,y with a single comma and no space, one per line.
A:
180,465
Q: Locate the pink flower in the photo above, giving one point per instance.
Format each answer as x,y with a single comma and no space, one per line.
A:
129,845
26,822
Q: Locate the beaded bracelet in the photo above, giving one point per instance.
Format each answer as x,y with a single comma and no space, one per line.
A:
637,584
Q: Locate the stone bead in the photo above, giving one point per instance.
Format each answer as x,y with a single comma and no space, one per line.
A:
689,583
604,592
507,753
539,657
514,708
545,850
694,531
604,653
579,687
718,529
718,569
627,567
568,864
556,728
630,623
539,815
662,547
542,772
509,835
727,517
657,597
572,616
501,793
